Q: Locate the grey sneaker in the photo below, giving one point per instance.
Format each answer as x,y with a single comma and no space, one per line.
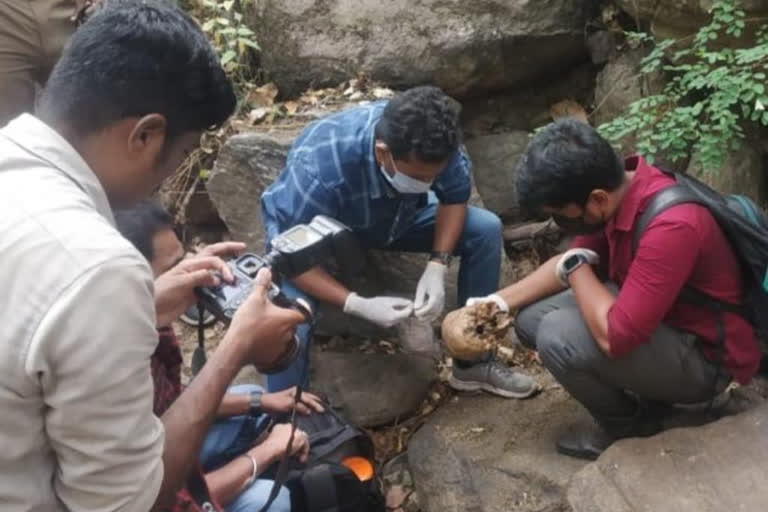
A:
494,377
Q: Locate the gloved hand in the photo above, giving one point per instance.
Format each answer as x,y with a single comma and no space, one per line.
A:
430,292
383,311
590,256
496,298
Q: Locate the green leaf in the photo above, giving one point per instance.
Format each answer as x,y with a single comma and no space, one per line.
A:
208,25
228,56
251,44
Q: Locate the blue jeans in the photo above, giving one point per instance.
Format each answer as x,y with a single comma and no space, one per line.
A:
232,437
479,249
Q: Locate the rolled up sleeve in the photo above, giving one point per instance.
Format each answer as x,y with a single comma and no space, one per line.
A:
91,354
454,185
665,257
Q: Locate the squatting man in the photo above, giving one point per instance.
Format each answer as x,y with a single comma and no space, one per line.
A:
396,173
606,318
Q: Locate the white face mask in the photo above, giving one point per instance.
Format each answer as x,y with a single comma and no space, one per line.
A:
404,183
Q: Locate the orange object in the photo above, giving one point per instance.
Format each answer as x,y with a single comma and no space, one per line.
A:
360,466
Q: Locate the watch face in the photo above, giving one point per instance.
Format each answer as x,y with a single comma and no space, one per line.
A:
572,262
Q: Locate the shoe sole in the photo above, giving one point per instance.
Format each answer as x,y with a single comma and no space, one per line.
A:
460,385
576,454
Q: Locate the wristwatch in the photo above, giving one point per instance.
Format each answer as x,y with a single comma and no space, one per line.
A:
441,257
255,407
573,262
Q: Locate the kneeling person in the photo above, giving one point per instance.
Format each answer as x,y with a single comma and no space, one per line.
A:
617,346
395,172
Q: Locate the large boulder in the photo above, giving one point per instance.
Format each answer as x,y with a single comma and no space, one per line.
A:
619,84
496,156
743,172
463,47
487,454
713,468
248,163
372,389
678,18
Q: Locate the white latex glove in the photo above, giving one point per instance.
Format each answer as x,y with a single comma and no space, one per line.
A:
591,257
430,292
383,311
490,298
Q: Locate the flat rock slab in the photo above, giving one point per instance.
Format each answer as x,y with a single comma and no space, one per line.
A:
372,389
482,453
715,468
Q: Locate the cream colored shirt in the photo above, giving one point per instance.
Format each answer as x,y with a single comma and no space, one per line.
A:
77,329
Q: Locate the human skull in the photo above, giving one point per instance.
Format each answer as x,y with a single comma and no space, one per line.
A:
475,330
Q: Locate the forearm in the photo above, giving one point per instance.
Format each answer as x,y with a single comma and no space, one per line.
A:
234,404
541,283
449,224
594,301
322,285
227,482
190,416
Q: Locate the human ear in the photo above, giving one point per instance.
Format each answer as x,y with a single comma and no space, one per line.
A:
147,138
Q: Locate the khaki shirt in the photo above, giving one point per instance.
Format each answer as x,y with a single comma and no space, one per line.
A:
77,329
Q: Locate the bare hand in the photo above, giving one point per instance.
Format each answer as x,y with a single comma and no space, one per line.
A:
277,442
260,329
175,289
222,249
283,401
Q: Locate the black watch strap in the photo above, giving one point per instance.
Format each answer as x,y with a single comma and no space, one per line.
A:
255,408
443,257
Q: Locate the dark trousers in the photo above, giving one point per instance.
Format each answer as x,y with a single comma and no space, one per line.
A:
670,368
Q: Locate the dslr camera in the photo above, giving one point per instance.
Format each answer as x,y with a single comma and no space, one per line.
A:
292,253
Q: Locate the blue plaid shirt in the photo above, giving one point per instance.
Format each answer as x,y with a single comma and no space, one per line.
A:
331,170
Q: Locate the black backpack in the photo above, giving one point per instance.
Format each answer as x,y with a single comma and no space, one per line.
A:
323,484
745,226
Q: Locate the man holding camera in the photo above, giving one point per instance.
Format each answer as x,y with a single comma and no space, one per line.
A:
126,102
395,172
240,447
632,345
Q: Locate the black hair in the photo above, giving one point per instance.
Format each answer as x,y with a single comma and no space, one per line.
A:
564,163
141,223
421,122
133,58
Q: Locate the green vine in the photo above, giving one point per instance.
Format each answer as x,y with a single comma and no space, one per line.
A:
222,21
712,92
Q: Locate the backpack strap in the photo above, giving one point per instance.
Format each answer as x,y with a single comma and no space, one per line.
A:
660,202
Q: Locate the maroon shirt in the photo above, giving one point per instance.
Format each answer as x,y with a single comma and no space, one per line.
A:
166,370
682,245
166,373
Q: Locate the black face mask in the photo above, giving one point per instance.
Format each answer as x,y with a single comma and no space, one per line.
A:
577,225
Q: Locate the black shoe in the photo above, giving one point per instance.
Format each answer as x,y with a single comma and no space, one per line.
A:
585,443
588,443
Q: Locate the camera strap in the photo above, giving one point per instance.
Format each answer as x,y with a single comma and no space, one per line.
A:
282,469
198,357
